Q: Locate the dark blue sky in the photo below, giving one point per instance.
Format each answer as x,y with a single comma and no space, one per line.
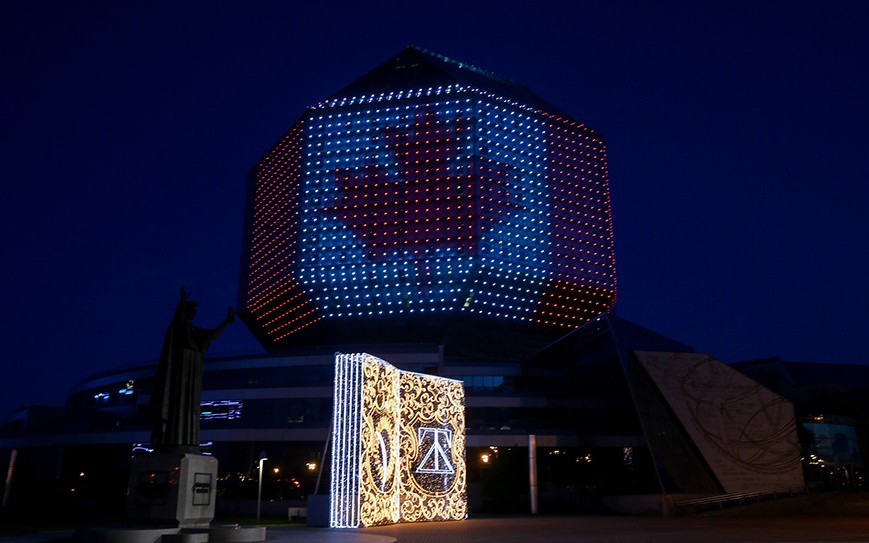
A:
737,144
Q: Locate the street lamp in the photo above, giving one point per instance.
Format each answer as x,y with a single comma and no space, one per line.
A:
259,491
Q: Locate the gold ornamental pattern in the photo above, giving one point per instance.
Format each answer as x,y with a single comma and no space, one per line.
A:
398,445
433,476
379,489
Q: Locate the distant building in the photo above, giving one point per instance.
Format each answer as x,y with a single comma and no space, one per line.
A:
452,223
625,420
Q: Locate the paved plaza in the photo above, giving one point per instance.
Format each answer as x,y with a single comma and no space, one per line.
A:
816,519
632,530
810,519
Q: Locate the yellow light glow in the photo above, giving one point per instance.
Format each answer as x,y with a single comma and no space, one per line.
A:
429,402
406,433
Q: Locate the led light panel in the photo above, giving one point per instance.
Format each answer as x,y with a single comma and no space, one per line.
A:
430,200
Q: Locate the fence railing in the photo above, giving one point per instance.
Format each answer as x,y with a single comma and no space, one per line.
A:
738,498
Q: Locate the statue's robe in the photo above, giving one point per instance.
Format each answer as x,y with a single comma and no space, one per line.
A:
177,389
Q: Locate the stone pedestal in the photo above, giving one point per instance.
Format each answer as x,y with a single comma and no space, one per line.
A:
172,488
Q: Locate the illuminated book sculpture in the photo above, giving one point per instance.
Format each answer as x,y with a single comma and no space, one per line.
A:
398,452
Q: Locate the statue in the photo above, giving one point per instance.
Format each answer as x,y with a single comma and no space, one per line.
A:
178,387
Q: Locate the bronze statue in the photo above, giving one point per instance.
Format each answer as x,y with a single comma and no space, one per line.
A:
178,386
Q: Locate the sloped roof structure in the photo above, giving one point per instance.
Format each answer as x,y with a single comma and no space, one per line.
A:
708,429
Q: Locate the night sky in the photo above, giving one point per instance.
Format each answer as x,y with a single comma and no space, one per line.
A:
736,134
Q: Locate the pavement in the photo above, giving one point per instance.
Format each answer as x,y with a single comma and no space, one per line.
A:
594,529
810,520
584,529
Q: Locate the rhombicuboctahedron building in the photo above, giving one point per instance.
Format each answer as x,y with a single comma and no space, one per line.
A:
425,194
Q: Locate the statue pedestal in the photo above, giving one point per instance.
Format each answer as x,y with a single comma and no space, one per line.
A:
172,488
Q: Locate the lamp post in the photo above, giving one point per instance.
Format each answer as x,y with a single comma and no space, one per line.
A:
259,491
532,471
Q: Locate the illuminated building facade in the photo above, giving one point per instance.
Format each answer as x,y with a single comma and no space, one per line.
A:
456,225
425,194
